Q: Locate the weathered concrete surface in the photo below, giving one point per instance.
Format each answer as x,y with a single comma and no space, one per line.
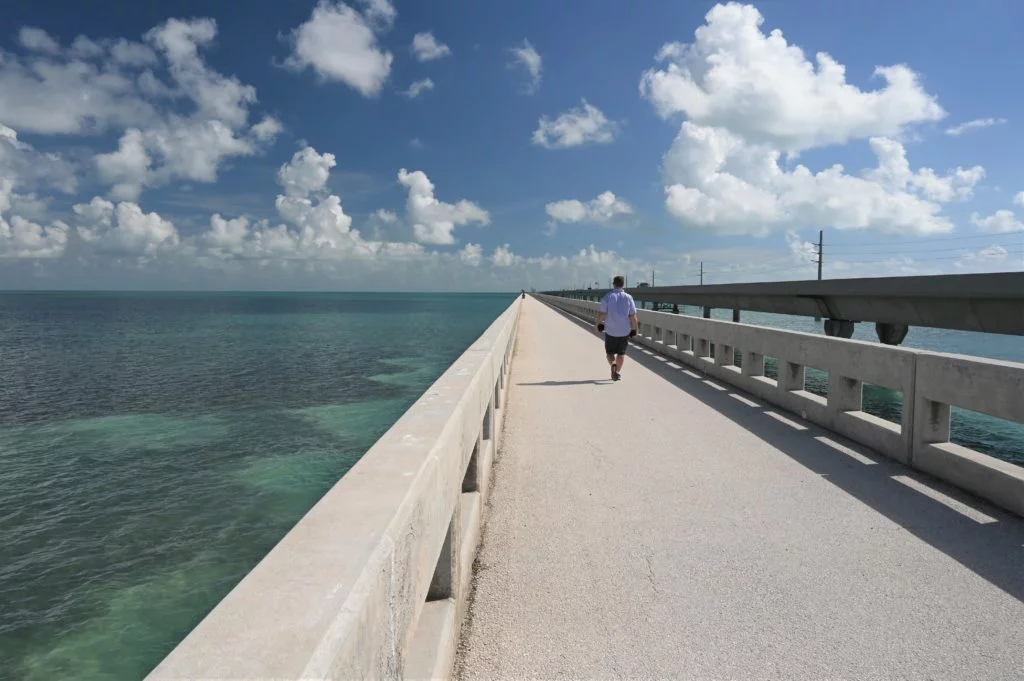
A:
662,527
344,595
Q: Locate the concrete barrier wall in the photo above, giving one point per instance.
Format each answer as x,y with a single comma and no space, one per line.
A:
930,383
372,582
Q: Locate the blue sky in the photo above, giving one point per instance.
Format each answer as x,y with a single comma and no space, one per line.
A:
292,121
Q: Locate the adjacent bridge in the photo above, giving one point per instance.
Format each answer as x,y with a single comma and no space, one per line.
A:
528,518
990,303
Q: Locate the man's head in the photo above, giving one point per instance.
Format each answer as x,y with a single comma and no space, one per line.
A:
619,281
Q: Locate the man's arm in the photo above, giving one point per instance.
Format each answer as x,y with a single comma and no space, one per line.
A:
633,323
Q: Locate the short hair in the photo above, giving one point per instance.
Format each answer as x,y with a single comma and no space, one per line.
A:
619,281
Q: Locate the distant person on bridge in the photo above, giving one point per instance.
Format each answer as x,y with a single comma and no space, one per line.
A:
616,319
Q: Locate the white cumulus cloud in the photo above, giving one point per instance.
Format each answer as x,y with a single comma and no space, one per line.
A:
267,129
426,47
576,127
418,87
306,173
751,98
765,90
315,227
716,180
182,128
27,168
1019,199
471,254
434,221
504,257
341,44
528,58
602,209
894,173
64,93
1000,222
22,238
37,40
974,125
127,168
124,229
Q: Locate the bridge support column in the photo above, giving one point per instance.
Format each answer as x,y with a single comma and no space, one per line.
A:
839,328
891,334
736,315
707,313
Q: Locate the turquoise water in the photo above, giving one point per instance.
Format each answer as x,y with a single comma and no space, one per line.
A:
153,447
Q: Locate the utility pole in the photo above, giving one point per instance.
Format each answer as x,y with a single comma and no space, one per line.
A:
821,252
821,244
701,272
652,277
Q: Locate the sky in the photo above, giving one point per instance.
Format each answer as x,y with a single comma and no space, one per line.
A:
465,145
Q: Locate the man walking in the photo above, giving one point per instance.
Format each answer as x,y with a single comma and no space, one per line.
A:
619,311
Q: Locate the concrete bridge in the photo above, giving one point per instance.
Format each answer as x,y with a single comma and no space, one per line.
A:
528,518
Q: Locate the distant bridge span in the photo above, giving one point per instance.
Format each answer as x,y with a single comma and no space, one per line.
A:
992,303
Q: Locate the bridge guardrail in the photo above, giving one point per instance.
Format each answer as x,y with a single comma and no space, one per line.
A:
373,581
930,384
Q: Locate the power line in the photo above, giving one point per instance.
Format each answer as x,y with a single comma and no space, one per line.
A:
929,250
897,258
930,240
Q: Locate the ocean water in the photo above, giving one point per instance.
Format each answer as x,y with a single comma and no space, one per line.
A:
153,447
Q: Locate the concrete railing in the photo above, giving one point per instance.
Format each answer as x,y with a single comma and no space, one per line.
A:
373,581
929,383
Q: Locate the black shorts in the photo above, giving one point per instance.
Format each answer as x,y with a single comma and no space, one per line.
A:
615,345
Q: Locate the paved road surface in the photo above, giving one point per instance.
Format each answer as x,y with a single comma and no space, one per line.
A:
666,527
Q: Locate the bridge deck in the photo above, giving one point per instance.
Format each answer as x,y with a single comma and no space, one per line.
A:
664,526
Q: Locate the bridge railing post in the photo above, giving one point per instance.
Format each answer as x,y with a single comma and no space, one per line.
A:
844,393
753,364
792,376
701,347
724,355
932,422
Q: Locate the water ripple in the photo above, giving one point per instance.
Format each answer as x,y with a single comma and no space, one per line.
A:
154,447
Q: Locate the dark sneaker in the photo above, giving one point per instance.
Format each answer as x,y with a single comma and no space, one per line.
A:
616,375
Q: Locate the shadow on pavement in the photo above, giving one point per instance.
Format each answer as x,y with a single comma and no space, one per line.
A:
993,550
606,381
